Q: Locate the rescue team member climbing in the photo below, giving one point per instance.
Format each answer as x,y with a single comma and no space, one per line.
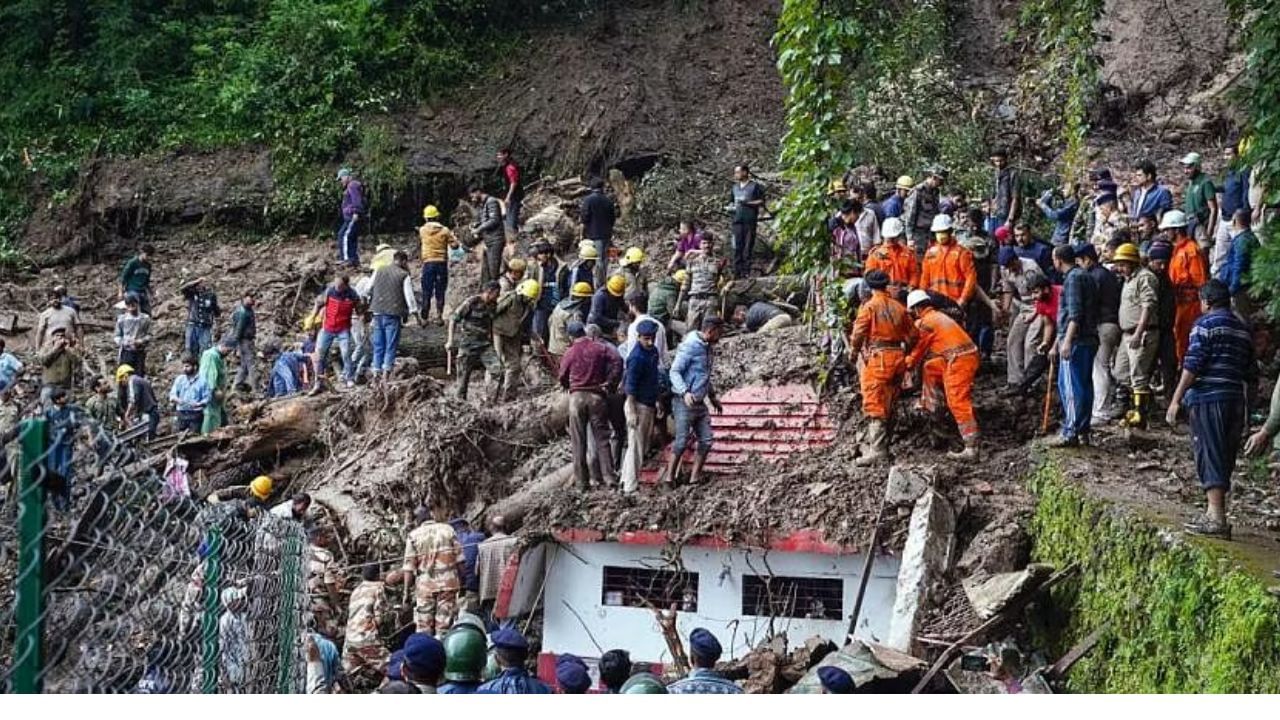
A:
881,331
950,364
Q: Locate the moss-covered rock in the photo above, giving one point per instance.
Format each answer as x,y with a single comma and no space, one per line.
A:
1181,616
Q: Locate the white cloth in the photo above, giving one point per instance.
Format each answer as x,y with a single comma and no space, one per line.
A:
659,341
868,227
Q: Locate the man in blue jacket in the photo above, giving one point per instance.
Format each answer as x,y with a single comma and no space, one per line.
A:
1234,272
691,390
641,383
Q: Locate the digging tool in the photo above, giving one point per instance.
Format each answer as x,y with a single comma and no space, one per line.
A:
1048,397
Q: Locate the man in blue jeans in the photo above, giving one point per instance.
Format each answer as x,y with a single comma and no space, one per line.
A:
352,209
691,390
391,300
1075,348
337,306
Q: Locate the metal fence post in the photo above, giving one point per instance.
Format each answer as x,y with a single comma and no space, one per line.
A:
289,567
209,619
29,608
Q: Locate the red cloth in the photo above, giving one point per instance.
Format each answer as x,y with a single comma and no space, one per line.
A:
1049,308
338,308
512,172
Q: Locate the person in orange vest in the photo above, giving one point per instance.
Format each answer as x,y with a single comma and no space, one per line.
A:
1188,272
880,330
950,365
948,268
895,259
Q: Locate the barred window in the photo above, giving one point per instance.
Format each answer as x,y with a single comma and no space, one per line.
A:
642,587
793,597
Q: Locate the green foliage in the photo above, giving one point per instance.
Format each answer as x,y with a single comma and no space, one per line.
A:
1180,616
1061,83
298,76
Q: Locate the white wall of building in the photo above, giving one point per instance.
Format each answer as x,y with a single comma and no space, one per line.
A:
575,583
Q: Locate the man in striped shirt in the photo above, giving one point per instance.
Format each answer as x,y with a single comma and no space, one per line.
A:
1218,365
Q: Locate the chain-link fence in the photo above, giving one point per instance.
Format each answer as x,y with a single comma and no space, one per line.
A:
116,580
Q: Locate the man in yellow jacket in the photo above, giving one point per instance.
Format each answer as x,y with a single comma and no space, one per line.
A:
436,242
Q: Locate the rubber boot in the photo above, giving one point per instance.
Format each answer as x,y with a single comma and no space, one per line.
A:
876,445
699,460
1138,415
970,451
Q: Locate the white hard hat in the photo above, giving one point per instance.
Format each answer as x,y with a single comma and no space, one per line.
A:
941,223
915,297
892,228
1191,158
1173,219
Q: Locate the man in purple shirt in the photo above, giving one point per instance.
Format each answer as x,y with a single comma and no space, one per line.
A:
352,210
590,370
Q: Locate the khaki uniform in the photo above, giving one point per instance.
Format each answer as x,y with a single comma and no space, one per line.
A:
508,323
704,287
432,552
1134,366
321,575
363,648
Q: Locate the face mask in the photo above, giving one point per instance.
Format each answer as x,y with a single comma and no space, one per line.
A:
942,238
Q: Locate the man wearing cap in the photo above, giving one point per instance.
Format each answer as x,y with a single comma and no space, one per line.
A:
509,316
1006,201
881,332
1238,263
1188,272
948,268
599,213
353,208
436,240
706,271
573,308
590,370
704,652
950,363
1199,201
488,228
1107,300
835,681
637,306
895,259
1147,196
511,651
1216,372
641,383
1018,303
363,649
920,208
546,271
1139,333
433,561
1075,348
892,206
424,662
581,270
692,390
572,675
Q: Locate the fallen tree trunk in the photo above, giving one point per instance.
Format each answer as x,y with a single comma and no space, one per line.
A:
791,289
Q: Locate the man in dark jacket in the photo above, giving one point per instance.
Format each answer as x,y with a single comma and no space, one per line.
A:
748,200
641,383
391,300
202,315
598,216
488,228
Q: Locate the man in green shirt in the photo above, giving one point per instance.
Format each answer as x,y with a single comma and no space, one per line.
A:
1199,201
213,370
135,277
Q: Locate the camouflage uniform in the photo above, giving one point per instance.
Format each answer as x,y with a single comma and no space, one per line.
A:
363,648
320,577
432,552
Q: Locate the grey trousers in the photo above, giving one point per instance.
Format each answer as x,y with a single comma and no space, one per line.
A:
1134,366
1108,342
509,355
589,416
1024,335
639,429
245,375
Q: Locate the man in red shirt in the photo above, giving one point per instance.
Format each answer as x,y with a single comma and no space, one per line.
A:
336,305
590,370
514,196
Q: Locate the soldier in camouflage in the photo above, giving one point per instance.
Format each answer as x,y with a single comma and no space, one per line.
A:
322,584
433,557
364,650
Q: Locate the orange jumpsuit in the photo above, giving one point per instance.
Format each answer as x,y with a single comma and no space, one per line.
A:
951,363
879,330
1187,273
898,262
948,270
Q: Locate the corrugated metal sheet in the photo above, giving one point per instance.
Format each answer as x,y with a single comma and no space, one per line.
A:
766,423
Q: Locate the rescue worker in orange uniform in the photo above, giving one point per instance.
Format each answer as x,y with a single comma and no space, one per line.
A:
895,259
880,332
1188,271
950,365
948,268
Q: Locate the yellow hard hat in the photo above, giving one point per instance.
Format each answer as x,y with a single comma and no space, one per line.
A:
123,372
430,212
905,182
681,276
634,255
580,290
837,186
1127,252
616,285
587,250
531,289
517,265
260,487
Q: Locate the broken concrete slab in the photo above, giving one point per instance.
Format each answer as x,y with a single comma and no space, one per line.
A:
1003,545
874,668
905,486
990,596
925,559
